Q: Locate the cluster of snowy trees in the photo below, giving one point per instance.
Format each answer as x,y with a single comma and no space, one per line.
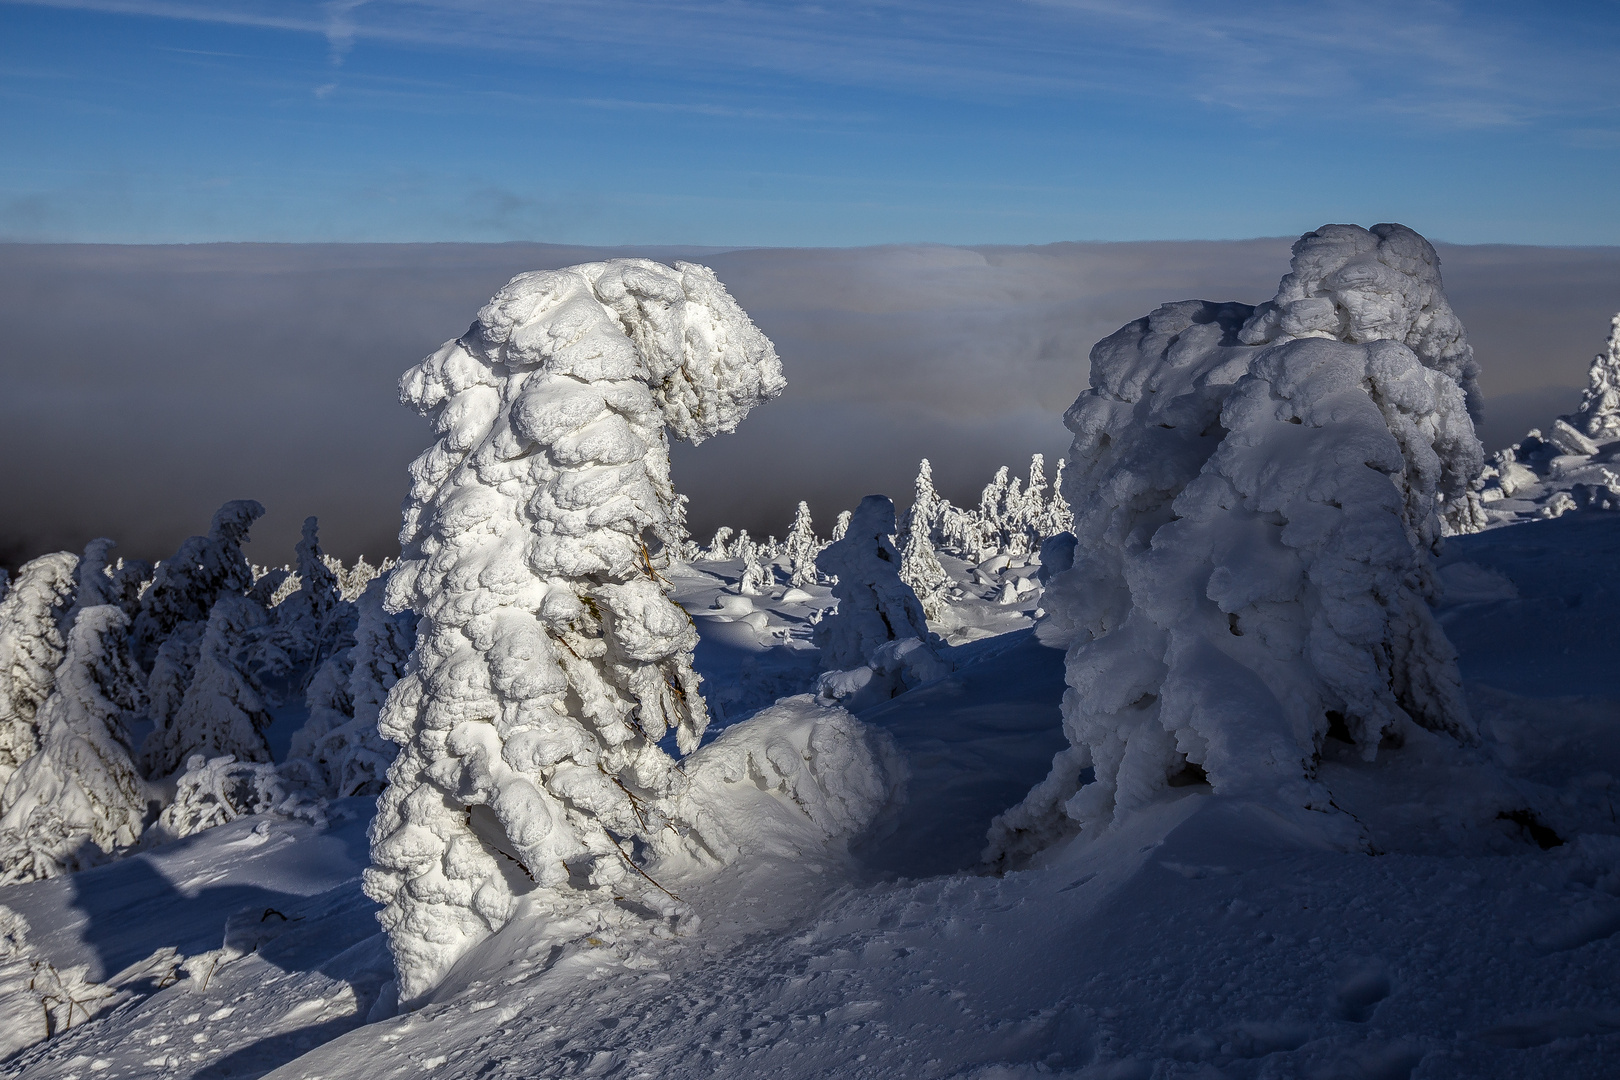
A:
1570,467
134,699
1014,517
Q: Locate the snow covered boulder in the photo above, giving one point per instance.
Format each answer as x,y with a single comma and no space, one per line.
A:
549,659
1258,494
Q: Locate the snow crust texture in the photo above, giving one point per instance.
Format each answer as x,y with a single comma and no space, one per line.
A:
549,660
1258,495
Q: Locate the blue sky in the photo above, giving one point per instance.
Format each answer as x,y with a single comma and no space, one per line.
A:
738,122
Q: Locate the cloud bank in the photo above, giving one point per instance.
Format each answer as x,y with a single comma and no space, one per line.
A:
146,385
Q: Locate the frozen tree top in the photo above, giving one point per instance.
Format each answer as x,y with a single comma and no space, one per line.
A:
1599,414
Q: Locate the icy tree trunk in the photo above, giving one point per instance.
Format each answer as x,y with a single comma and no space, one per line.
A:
81,785
919,564
1599,414
549,659
32,644
1257,496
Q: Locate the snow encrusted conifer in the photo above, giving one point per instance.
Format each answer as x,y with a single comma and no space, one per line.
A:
1257,495
1056,517
32,644
80,785
339,751
841,526
1599,414
187,583
223,708
800,549
875,606
305,623
919,564
719,549
756,573
992,504
549,659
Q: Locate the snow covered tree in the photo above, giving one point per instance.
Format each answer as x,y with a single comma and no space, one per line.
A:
305,620
800,548
992,504
223,708
32,644
1599,414
1056,517
719,549
919,564
1257,495
187,583
80,786
756,570
875,606
841,526
549,659
339,751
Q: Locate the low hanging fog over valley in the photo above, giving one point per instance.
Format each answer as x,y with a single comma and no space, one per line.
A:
188,375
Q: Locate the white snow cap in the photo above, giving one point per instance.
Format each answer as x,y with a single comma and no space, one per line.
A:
549,659
1599,414
1257,494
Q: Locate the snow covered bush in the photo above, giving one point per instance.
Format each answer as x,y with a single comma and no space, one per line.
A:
213,791
80,786
919,564
549,659
32,642
1599,414
1257,496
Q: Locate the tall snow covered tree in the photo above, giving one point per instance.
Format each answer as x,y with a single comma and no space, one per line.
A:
187,583
223,708
1599,414
919,564
800,549
32,643
549,659
80,785
1257,497
875,606
841,526
305,620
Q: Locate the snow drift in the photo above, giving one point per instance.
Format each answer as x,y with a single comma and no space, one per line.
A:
1257,496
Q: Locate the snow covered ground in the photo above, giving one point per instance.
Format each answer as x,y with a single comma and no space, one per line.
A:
1477,936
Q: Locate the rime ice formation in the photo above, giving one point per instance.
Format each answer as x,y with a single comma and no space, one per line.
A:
213,791
1257,494
874,605
81,785
549,659
841,525
32,642
801,548
339,747
222,708
919,565
1599,414
187,583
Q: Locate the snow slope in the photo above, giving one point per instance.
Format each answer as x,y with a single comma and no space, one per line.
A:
1203,938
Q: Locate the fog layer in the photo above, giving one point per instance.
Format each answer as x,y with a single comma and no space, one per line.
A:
143,386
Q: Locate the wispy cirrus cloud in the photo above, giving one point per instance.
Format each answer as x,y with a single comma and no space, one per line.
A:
1445,65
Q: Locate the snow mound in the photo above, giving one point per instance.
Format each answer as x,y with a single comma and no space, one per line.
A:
549,659
1258,495
783,784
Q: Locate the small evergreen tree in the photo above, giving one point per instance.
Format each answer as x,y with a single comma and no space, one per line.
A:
187,583
919,564
800,549
223,709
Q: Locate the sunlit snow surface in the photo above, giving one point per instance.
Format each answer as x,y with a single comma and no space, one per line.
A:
1202,938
